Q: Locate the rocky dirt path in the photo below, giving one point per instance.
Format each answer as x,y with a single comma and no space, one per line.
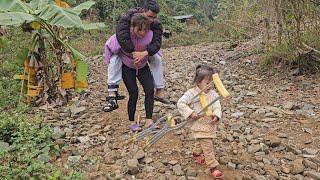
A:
271,126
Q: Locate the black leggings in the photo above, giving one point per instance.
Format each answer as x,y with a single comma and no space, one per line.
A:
145,78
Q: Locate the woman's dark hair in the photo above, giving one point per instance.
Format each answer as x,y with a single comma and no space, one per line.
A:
140,20
152,5
203,71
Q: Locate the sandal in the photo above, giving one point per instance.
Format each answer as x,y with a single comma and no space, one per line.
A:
134,127
111,105
163,100
216,173
119,97
199,159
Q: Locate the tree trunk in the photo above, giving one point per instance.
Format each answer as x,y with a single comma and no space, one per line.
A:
277,5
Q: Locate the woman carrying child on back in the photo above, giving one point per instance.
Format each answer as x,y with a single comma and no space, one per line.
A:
141,36
203,127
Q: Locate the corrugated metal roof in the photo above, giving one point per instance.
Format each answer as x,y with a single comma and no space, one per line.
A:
182,17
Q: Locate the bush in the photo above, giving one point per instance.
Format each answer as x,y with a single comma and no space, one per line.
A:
27,148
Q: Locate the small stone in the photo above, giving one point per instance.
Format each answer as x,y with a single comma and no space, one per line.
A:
73,161
58,133
77,110
294,150
315,160
191,172
285,169
229,138
83,139
237,114
139,155
236,127
260,178
224,160
310,151
312,174
299,177
283,135
246,178
270,170
177,170
247,130
309,164
273,141
251,94
289,105
222,62
290,156
173,162
231,165
133,166
308,106
254,148
296,166
148,160
149,169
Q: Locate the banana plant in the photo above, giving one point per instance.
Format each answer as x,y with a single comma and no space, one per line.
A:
48,21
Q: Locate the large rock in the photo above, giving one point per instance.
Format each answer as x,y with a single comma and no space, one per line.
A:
4,146
296,166
133,166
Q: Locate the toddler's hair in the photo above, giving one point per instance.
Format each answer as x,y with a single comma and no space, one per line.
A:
140,20
202,71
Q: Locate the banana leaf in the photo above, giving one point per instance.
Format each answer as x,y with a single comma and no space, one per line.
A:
40,4
14,5
22,56
76,54
58,16
15,18
81,76
83,6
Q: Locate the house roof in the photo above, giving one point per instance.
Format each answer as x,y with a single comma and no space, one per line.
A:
182,17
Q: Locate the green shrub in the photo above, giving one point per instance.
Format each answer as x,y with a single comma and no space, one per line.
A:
29,148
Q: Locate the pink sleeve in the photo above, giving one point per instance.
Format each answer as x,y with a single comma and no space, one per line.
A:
111,47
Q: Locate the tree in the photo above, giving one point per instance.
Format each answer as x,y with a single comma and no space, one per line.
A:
49,78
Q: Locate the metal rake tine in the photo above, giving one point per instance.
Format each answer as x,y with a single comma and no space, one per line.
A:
145,135
180,125
158,137
155,136
154,139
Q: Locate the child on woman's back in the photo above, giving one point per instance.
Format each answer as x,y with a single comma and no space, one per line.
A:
203,127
